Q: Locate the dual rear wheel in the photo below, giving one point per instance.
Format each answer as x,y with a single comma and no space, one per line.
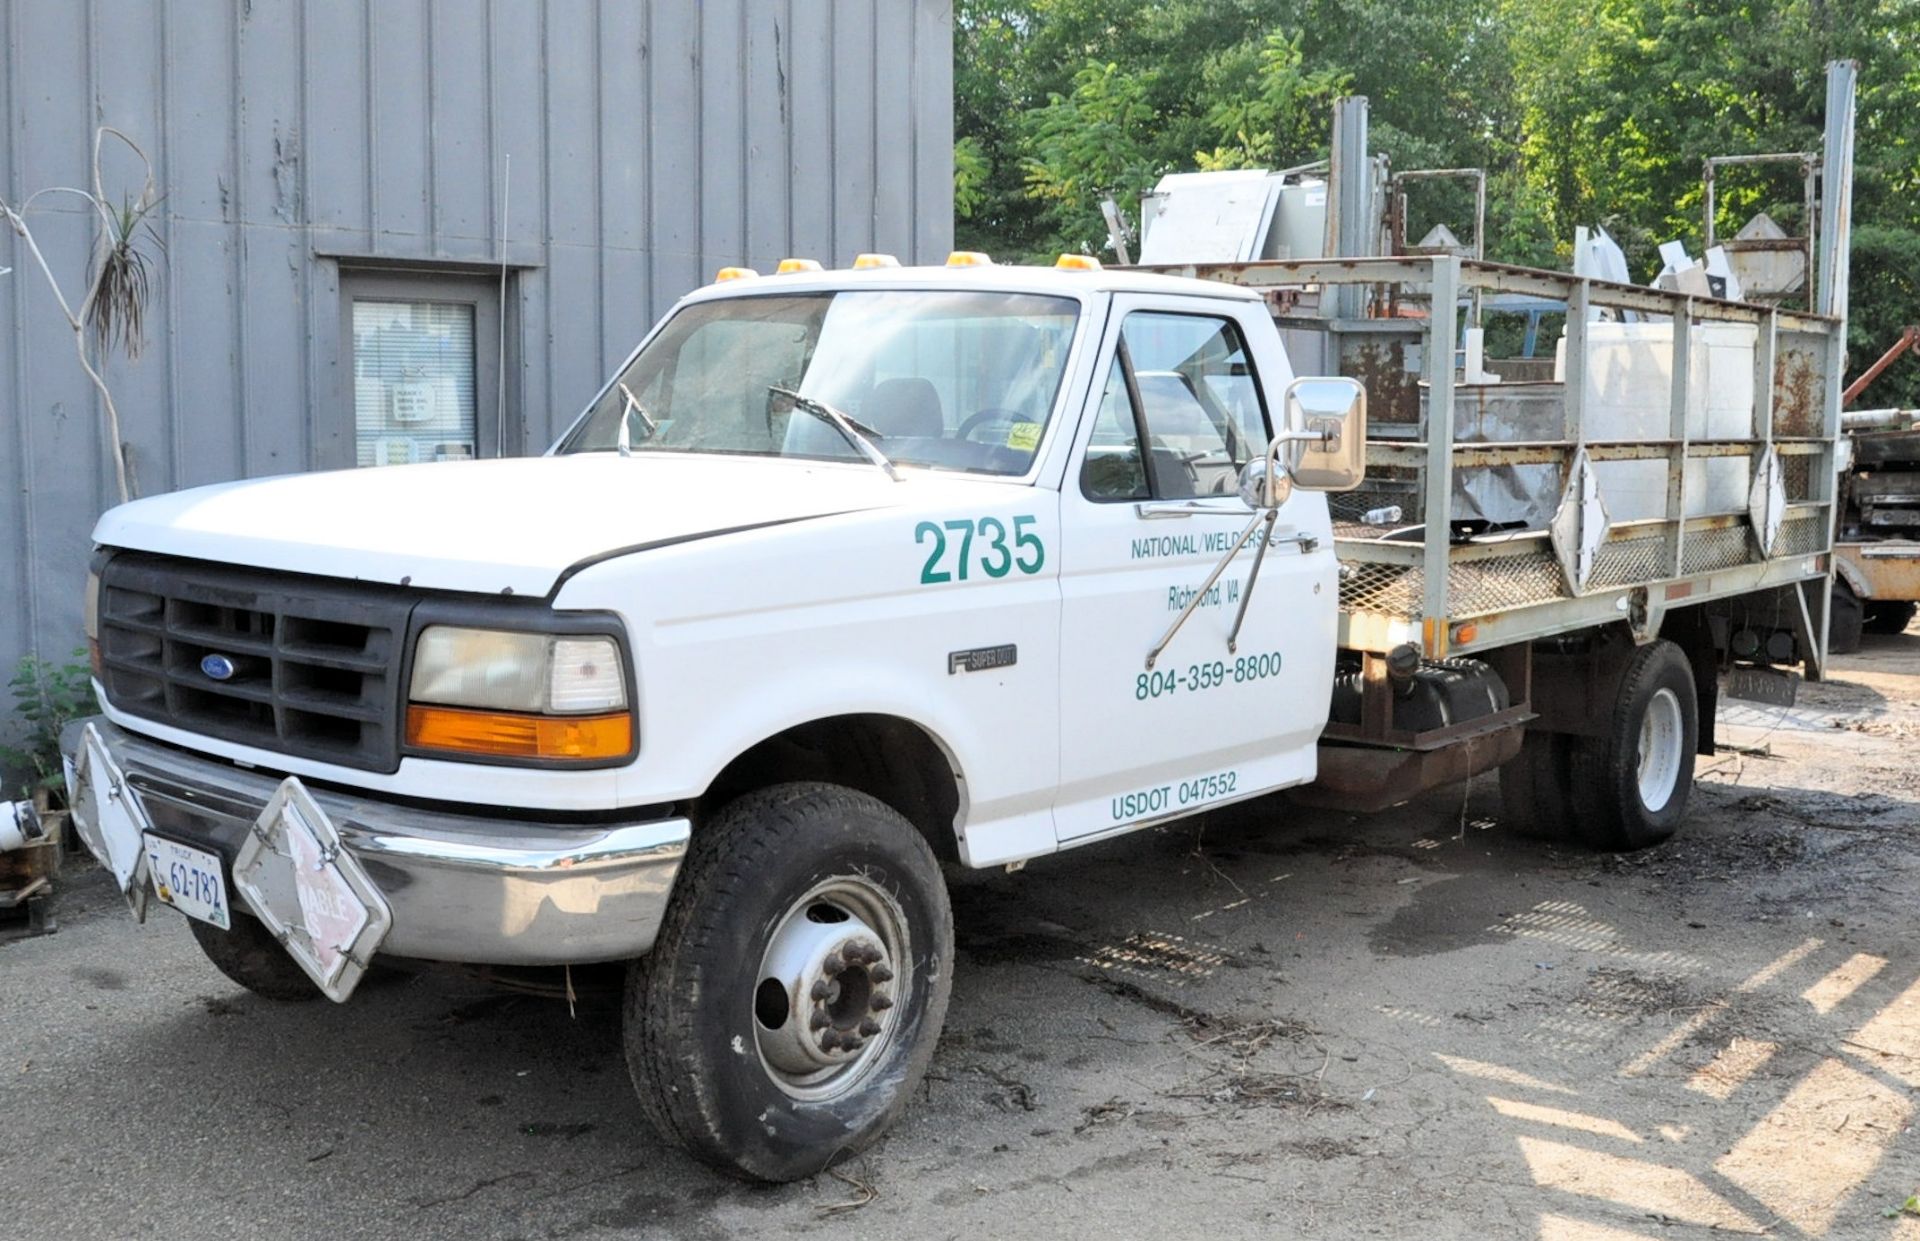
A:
1627,786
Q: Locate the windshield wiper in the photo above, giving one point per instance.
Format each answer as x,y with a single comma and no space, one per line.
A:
857,433
625,443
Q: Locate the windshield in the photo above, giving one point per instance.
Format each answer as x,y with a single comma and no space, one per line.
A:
947,379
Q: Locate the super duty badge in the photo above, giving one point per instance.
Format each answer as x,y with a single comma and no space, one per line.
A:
983,658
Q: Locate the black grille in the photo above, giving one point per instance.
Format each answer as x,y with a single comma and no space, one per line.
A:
316,661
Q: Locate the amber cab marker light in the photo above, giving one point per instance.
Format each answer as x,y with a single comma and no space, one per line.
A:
510,734
866,262
789,266
968,258
1077,262
734,273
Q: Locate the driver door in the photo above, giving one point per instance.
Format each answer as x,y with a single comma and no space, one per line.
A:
1182,404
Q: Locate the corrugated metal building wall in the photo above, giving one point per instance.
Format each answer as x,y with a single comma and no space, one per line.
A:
305,144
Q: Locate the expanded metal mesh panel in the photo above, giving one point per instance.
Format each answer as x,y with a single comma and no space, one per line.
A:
1717,549
1388,487
1629,562
1478,586
1801,536
1797,472
1390,588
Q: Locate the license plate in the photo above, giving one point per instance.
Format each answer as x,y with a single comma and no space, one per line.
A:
1763,685
191,880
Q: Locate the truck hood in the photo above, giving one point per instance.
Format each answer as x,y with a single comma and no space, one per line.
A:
489,526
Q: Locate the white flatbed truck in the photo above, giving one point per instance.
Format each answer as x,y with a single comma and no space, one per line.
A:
849,574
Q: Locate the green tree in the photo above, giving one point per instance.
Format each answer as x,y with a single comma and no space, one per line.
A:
1621,101
1582,111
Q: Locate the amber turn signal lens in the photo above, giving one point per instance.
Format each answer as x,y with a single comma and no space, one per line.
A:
93,658
507,734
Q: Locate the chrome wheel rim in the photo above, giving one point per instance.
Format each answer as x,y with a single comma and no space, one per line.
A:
832,982
1660,750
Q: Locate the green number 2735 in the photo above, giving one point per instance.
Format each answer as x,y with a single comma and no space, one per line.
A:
981,543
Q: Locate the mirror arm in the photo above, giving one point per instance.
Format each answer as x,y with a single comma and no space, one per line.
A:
1267,516
1253,579
1281,439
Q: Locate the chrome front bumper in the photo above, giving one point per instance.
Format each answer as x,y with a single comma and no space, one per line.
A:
462,887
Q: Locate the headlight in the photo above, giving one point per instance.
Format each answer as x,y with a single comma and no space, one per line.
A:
518,695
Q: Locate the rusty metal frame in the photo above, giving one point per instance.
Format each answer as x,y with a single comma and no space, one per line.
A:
1432,738
1809,163
1400,283
1397,215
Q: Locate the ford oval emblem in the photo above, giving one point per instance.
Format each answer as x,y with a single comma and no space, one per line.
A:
217,667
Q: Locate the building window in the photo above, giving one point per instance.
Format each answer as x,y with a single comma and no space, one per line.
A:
413,382
425,370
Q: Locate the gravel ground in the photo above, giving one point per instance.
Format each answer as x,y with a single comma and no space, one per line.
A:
1264,1022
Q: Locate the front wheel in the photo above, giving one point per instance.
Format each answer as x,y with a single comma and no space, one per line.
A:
1846,619
249,955
795,993
1889,617
1630,786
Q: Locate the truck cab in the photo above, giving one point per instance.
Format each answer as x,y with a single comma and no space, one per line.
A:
842,575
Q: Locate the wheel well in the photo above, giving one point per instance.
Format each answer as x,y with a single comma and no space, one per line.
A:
884,756
1690,630
1576,675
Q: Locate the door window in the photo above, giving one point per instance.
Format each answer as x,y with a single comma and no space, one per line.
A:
1113,469
1193,397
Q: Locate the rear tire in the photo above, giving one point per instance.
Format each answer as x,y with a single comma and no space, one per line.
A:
795,993
1629,788
1534,797
250,955
1845,621
1891,617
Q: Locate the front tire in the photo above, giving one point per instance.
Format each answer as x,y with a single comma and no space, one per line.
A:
1630,786
250,955
1886,618
797,988
1846,619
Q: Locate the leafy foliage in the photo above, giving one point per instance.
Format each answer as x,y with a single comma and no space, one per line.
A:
47,697
123,277
1582,111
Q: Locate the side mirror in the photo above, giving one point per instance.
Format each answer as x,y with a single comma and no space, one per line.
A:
1264,484
1327,426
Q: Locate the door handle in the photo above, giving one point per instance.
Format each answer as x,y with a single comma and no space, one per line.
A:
1155,509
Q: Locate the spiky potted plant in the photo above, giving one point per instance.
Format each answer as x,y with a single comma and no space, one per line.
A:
119,279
